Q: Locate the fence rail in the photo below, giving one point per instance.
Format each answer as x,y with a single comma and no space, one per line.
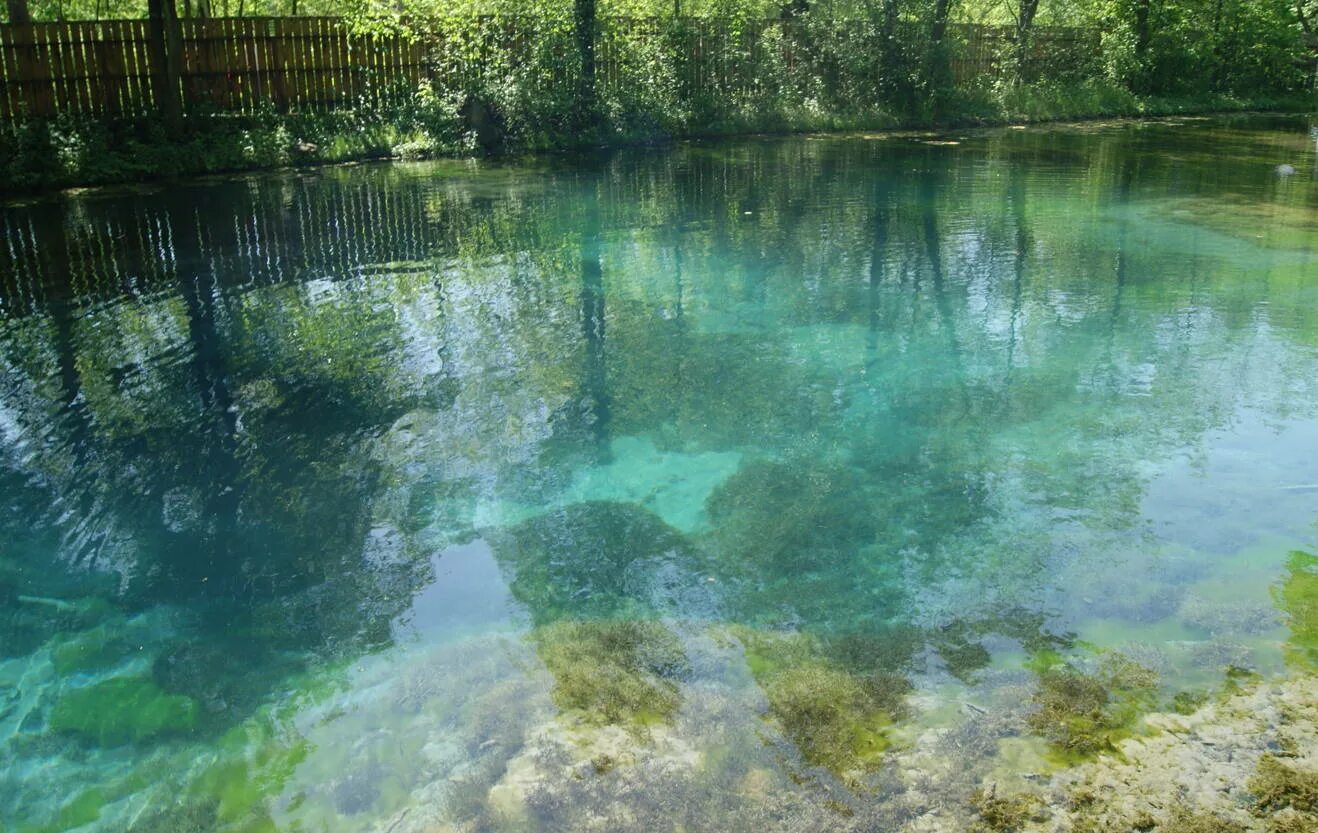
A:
96,68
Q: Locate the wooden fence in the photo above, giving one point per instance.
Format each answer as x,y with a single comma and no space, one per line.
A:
316,63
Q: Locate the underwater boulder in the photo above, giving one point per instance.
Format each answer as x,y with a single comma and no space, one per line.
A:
590,560
788,514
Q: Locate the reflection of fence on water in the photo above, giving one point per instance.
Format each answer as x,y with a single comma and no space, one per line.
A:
319,63
267,237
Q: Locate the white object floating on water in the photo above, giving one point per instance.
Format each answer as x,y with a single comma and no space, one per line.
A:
1285,170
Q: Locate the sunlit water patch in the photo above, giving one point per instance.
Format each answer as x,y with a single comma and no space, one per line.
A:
801,484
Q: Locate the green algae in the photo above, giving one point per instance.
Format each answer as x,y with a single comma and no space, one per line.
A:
960,642
82,809
838,717
1184,820
1083,713
1003,814
1283,785
234,793
1188,702
613,672
837,720
1297,597
123,710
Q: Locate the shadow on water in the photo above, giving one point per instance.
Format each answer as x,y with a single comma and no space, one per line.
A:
861,415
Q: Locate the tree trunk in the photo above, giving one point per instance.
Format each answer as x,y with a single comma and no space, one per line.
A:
585,22
1143,34
1143,38
18,12
166,53
939,72
1029,9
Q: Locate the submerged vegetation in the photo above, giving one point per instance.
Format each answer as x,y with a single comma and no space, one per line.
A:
1082,713
613,672
123,710
1297,598
835,709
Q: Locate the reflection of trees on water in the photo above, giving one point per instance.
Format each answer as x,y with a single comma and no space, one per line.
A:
212,387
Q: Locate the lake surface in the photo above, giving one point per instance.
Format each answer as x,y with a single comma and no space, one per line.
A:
765,485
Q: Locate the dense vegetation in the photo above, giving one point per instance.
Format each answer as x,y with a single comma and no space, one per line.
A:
770,66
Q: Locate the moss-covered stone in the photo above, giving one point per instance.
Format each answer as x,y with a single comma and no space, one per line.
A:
123,710
616,672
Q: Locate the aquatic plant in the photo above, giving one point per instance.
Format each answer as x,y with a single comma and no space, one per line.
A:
614,672
1003,814
837,717
1284,785
1182,819
1297,597
960,643
123,710
1082,713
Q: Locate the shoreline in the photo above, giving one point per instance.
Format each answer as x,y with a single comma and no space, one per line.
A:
1158,111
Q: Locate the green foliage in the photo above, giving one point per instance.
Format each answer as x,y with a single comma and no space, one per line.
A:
507,76
123,710
613,672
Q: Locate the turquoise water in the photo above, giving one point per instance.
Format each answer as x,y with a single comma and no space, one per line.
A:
762,485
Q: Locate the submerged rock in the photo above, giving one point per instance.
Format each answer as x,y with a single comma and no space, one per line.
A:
589,560
1245,764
